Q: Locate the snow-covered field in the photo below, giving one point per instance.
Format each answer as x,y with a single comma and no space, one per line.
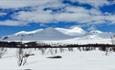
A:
72,59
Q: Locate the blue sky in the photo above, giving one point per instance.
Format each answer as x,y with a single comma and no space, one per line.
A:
30,15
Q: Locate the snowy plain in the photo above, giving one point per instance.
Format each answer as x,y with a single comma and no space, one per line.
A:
71,60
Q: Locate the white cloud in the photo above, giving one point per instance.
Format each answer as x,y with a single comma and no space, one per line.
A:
36,16
13,23
95,3
72,17
110,18
76,9
2,13
20,3
79,15
70,14
26,3
54,3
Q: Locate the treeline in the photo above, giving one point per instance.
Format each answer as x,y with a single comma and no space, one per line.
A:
44,45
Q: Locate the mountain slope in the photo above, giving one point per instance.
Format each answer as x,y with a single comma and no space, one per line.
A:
62,35
50,34
28,32
76,31
44,34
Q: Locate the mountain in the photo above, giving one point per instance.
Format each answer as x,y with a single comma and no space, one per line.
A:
92,37
50,34
76,31
95,32
42,34
28,32
61,35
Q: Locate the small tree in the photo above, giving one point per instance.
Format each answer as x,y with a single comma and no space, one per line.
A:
23,55
2,51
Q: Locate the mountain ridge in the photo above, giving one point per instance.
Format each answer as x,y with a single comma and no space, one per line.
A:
71,35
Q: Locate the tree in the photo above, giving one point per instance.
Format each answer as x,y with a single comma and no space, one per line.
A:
2,51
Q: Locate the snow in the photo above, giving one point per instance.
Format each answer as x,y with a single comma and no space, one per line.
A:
71,60
76,31
27,32
45,34
95,31
75,35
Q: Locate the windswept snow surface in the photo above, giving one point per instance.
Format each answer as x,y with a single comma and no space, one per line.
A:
76,60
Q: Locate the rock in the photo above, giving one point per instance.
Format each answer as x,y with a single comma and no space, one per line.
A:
55,57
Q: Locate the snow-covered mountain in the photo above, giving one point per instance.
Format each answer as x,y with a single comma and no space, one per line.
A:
70,35
41,34
96,34
92,37
28,32
76,31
